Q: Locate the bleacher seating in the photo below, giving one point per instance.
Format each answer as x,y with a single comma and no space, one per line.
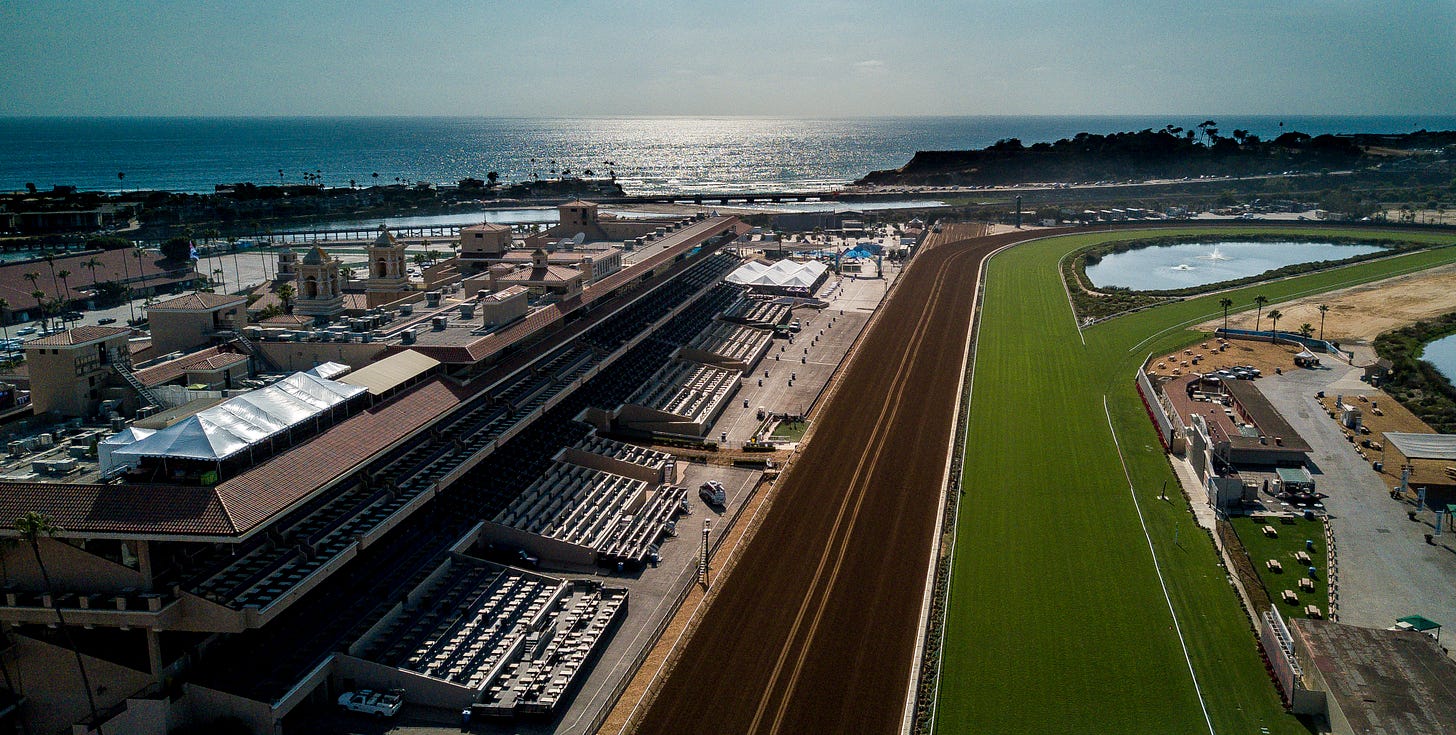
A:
624,452
756,312
263,664
554,655
734,344
691,390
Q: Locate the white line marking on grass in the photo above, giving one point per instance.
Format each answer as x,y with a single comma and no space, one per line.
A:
1157,567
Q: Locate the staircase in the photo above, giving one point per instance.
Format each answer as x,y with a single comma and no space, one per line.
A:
121,361
249,347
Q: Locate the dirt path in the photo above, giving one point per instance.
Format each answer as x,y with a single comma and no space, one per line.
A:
1359,313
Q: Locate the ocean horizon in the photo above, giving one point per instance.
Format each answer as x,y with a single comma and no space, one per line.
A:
649,155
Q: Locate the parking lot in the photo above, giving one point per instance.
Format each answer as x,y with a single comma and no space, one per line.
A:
1386,568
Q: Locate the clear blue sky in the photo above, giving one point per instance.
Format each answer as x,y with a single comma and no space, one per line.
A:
681,57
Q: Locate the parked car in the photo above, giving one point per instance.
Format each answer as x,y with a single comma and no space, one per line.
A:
370,702
23,331
106,320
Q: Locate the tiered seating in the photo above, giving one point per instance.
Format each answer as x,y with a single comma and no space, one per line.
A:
624,452
613,515
756,312
734,343
553,658
470,643
688,389
574,504
265,664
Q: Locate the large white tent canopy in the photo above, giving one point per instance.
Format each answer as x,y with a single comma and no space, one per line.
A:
783,274
239,423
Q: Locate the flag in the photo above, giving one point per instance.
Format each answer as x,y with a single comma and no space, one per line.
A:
192,253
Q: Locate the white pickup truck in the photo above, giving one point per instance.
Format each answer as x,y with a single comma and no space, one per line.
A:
369,702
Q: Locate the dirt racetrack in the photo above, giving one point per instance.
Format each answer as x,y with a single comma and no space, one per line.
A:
814,630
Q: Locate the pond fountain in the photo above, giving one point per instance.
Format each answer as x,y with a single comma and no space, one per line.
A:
1168,267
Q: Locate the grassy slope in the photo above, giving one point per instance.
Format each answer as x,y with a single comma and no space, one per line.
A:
1057,621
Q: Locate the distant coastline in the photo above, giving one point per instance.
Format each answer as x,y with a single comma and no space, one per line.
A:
649,155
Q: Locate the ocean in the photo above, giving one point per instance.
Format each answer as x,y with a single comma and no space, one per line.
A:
648,155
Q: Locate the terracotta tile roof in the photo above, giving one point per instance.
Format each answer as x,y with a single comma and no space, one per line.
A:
273,486
551,273
120,509
212,358
488,345
79,335
287,320
199,300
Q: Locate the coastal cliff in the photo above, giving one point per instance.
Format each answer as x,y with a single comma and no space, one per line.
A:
1169,153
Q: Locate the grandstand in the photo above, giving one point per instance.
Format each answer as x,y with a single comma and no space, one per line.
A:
401,552
728,345
757,312
515,638
682,398
556,655
604,517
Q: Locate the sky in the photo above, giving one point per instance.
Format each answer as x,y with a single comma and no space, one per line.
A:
548,58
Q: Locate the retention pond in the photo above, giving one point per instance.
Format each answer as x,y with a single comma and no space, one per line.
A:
1170,267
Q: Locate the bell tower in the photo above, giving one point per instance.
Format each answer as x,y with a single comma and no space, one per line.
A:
388,277
320,286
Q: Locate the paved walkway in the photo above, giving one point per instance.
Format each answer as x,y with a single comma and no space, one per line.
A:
1387,570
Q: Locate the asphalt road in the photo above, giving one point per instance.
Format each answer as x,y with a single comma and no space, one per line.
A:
814,630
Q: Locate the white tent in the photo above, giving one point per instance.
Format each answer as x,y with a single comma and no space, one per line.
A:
110,444
329,370
239,423
783,274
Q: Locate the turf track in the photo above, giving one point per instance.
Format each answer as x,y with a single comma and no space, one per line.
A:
1057,621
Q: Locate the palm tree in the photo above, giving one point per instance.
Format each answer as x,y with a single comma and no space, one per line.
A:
1323,308
50,259
1225,302
120,177
492,177
220,278
286,292
63,274
1306,330
237,271
39,297
5,319
32,526
1259,301
92,264
1274,317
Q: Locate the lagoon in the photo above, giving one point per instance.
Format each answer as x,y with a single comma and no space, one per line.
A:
1168,267
1442,354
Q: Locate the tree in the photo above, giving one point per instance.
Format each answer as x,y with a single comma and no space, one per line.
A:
1323,309
1225,302
5,319
93,263
1274,317
1259,301
32,526
50,259
177,248
1306,330
286,293
220,278
120,176
492,177
39,297
64,274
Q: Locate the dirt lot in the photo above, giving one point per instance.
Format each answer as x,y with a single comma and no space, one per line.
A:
1262,355
1393,417
1359,313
